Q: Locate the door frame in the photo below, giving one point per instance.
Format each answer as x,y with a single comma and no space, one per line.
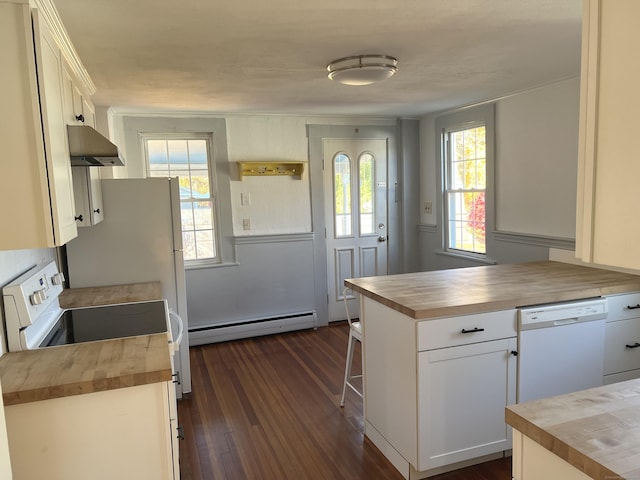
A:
387,130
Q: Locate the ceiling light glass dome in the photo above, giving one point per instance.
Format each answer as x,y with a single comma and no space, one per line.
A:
362,69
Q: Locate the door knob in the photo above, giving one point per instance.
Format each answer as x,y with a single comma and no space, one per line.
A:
382,238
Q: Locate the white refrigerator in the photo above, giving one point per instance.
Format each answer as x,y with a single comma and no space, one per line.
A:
139,240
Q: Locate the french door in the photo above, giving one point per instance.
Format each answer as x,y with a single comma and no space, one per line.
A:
355,186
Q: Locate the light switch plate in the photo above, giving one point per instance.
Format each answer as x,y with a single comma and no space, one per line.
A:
245,198
246,224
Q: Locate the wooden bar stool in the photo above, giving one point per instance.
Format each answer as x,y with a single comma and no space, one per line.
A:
355,335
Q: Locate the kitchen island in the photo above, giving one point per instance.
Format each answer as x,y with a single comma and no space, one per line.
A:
590,434
102,410
440,355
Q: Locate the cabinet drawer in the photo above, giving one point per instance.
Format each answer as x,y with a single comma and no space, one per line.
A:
618,357
619,306
466,329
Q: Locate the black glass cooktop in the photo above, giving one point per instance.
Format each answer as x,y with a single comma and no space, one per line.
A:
107,322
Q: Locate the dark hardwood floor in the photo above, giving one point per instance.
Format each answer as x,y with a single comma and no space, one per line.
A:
267,408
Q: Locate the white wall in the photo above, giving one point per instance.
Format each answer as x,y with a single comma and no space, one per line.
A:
278,204
537,160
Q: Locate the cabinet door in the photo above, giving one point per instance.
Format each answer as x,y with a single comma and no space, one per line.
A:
87,186
607,173
462,393
622,346
88,196
174,430
118,434
50,89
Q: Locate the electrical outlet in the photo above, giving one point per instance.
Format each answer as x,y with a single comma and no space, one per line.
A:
428,208
245,198
246,224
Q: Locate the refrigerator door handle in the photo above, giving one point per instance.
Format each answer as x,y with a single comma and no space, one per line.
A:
175,317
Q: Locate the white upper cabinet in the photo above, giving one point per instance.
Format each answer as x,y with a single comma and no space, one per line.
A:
36,186
87,187
608,230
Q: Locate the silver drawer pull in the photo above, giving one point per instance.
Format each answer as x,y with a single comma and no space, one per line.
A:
473,330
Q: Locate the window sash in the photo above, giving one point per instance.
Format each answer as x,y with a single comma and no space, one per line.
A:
464,208
198,205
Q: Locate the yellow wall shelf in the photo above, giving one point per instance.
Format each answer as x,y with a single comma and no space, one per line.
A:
293,169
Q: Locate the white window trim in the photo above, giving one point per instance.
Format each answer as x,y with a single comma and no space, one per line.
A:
461,120
446,182
208,137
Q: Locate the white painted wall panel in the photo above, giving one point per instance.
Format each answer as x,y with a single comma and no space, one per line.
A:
537,160
278,204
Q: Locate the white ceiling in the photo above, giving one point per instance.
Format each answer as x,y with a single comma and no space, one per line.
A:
270,56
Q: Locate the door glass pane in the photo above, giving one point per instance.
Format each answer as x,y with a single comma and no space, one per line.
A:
342,195
366,190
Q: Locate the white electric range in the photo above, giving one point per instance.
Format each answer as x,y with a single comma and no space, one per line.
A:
34,318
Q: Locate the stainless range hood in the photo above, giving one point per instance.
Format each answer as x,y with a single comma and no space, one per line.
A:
89,148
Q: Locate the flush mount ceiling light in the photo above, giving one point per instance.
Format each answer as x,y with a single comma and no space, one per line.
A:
362,69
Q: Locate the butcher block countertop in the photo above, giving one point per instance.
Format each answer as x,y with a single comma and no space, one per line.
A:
596,430
55,372
93,296
464,291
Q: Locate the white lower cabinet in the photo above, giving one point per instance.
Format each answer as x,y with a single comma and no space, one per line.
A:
123,434
531,461
436,390
622,339
462,394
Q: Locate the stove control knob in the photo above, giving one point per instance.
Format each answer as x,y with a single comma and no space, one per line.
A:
38,297
57,278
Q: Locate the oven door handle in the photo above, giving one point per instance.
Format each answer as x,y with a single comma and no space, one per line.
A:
174,316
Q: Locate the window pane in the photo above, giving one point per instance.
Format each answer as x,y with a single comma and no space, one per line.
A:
186,214
467,221
200,184
157,151
189,245
178,158
366,189
204,244
202,215
198,153
342,195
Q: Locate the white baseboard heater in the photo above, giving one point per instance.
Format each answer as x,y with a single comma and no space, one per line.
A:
222,332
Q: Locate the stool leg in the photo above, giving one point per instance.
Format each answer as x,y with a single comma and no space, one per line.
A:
347,367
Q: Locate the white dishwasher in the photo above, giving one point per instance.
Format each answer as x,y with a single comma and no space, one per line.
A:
560,348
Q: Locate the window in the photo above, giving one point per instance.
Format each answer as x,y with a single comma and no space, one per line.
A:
465,169
366,190
188,158
342,195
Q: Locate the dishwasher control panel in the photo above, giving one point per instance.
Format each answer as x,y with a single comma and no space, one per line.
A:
557,314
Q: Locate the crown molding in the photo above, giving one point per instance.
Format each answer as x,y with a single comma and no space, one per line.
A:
49,13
